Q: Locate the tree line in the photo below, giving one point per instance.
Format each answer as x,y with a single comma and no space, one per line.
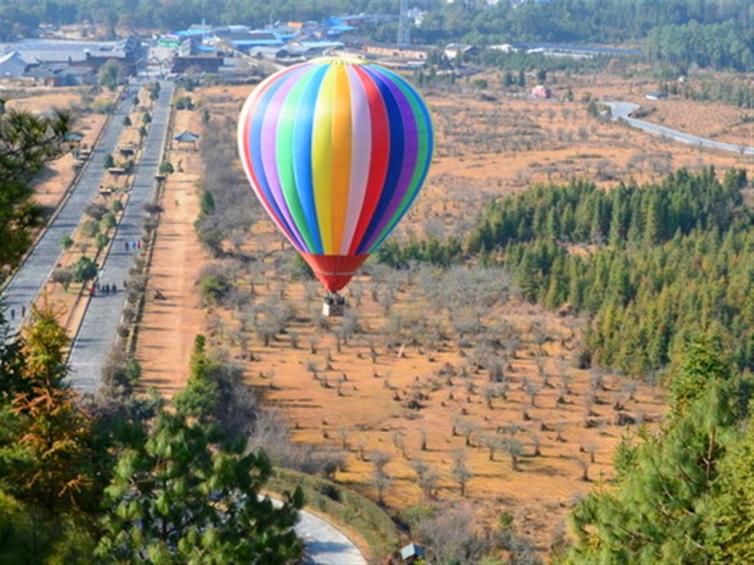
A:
679,32
650,263
727,45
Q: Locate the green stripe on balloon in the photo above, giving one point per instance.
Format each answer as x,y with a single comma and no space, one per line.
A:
284,153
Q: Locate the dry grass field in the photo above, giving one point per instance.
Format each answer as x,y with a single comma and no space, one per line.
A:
417,407
491,144
170,322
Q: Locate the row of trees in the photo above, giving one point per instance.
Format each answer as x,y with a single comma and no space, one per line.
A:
23,18
625,216
680,32
124,478
739,93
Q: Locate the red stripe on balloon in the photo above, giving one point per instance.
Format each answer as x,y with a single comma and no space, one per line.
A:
380,154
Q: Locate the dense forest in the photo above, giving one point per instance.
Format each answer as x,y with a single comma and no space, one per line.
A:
652,264
676,32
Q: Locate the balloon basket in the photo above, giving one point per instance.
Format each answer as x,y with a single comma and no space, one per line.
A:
334,305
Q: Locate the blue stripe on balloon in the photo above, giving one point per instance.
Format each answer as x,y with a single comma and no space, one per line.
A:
255,140
395,162
302,154
430,150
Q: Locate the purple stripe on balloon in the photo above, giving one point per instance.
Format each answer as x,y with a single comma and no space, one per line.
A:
268,146
411,150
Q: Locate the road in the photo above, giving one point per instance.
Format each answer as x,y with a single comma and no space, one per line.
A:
324,544
621,111
36,269
98,328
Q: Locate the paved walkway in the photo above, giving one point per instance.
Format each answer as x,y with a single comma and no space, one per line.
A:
622,110
324,544
97,331
34,272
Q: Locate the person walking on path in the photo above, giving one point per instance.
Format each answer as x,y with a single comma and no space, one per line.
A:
23,311
12,314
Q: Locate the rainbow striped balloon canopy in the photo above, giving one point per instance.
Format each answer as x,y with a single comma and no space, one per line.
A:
336,150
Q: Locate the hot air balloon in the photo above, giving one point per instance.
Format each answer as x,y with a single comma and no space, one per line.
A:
336,150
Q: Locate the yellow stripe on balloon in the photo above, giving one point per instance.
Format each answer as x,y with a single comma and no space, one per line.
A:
341,153
322,159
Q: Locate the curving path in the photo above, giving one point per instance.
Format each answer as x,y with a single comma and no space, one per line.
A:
621,111
324,544
39,264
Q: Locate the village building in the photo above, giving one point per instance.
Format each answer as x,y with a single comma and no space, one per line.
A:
404,52
13,65
454,51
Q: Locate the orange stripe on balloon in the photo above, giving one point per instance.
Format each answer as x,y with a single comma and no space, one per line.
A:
341,154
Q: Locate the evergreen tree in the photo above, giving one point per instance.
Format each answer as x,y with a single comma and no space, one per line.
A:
50,463
186,496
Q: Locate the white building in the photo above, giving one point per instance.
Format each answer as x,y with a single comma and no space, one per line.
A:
12,65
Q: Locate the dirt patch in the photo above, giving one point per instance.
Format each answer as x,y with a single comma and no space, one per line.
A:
173,313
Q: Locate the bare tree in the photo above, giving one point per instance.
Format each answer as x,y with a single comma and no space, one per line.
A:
531,390
423,439
591,450
583,464
466,429
426,478
449,536
313,342
343,434
536,444
380,479
399,443
515,449
492,444
459,470
630,389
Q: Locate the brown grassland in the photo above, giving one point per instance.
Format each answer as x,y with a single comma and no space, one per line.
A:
396,377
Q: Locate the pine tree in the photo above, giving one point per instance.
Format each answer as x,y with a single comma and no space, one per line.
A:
185,496
53,453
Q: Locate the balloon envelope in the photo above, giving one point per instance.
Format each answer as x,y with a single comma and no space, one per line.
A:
336,150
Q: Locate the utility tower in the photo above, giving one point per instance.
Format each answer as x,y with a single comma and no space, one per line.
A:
404,25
